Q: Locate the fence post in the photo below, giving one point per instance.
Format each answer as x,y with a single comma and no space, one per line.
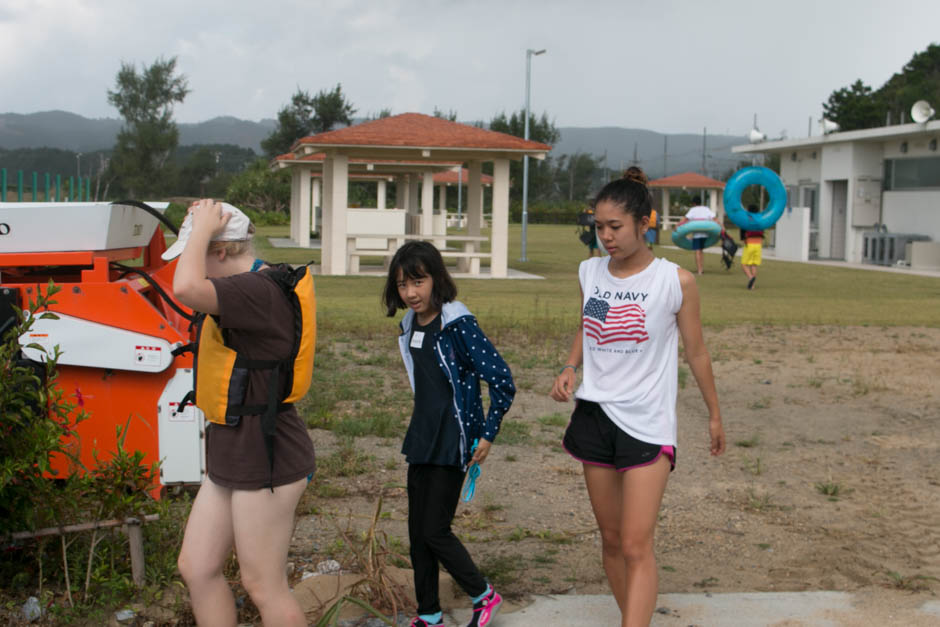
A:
19,186
58,187
46,196
35,186
136,545
87,189
3,184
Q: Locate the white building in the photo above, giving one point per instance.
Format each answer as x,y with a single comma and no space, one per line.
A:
843,188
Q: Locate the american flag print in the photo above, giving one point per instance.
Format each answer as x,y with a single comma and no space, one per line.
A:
606,324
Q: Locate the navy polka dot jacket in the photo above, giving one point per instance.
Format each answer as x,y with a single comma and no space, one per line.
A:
466,355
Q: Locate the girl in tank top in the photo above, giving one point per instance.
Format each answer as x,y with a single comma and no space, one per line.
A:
634,307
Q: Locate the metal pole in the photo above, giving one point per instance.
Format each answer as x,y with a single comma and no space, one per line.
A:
525,159
58,186
459,193
35,186
19,186
665,147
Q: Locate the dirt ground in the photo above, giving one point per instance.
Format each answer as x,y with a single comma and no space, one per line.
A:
831,479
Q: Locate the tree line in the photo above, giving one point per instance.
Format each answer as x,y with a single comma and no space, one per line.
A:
858,106
147,162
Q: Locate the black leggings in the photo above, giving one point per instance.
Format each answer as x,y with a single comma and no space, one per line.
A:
433,493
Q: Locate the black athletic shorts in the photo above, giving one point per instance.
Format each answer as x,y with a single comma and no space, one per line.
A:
593,438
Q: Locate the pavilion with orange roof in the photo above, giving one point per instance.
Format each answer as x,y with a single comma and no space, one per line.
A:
690,181
410,148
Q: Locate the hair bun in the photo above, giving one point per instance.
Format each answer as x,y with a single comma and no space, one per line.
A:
636,175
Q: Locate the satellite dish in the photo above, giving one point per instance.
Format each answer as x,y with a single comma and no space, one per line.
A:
921,111
755,136
828,126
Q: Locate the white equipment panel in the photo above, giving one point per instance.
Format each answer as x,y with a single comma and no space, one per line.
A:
96,345
40,227
181,433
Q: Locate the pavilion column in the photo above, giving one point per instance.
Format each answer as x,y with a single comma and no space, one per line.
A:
381,194
499,231
413,193
314,203
474,214
294,204
427,204
303,223
335,204
442,198
401,192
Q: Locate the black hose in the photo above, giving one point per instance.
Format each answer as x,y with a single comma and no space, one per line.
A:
166,297
159,216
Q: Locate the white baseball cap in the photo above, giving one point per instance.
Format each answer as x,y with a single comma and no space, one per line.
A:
236,230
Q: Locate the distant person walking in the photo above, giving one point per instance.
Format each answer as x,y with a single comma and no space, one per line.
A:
652,233
698,211
588,235
751,257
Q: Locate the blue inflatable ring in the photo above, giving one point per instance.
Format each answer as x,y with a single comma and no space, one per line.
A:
680,237
755,176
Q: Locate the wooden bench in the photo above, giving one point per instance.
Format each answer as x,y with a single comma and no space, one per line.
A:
396,240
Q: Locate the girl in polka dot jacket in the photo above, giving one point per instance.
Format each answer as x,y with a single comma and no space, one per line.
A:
445,354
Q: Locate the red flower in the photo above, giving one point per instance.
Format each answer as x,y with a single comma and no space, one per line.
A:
78,396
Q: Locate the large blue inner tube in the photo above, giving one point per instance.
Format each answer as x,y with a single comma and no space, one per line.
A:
681,237
755,175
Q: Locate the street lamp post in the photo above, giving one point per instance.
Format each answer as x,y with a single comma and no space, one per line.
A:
525,159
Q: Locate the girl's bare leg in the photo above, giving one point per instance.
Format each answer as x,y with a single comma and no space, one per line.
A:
263,526
642,496
207,545
605,491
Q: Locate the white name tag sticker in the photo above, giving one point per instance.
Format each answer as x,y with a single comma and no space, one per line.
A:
417,339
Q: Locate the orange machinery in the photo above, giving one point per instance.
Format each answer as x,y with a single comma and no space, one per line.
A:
118,327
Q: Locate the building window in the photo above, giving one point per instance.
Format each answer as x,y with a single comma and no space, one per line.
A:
916,173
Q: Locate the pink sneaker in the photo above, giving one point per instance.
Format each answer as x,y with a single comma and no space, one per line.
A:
485,609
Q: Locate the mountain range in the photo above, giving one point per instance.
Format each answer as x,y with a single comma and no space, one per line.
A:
620,146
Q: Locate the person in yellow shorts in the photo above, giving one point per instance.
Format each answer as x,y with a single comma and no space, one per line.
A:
750,258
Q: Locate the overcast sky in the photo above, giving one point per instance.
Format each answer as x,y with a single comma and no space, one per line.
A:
663,65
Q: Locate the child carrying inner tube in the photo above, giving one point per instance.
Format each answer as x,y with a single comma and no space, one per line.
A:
751,257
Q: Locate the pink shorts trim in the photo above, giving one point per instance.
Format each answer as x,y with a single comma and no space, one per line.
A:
668,451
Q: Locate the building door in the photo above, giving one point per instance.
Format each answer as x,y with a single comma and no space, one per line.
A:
840,197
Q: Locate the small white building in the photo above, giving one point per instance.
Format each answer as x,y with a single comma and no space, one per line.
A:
860,196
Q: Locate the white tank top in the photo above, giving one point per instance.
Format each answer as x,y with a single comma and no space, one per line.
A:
631,346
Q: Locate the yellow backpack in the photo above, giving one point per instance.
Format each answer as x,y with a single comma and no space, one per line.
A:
221,374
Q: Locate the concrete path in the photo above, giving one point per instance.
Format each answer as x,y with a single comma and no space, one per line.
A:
874,608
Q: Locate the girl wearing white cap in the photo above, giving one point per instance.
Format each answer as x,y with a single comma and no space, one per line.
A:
248,499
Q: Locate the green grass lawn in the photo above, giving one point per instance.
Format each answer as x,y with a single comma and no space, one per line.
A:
788,293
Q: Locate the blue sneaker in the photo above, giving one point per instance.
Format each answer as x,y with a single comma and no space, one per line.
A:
420,622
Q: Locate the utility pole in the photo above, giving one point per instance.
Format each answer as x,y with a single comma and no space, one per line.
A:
665,146
635,161
704,136
571,165
525,159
